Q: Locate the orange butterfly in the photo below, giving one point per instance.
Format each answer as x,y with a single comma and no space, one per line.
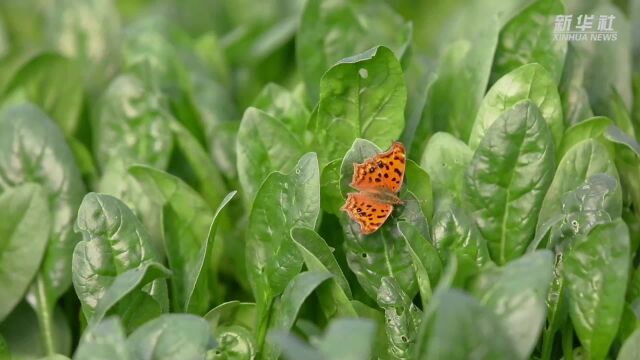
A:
378,179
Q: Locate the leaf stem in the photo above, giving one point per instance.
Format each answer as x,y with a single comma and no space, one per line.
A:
45,317
567,341
547,344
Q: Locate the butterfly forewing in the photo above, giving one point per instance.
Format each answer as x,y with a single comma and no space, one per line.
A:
382,173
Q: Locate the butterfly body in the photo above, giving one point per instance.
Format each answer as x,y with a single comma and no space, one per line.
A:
378,181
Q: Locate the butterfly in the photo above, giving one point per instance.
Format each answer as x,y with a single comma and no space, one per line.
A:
378,181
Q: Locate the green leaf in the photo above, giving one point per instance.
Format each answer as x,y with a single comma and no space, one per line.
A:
363,96
334,295
582,161
187,220
113,242
283,201
24,231
402,318
507,179
132,124
171,336
446,159
94,44
332,30
348,339
596,273
457,327
418,182
455,233
286,308
529,82
264,145
456,95
517,294
126,284
631,348
383,253
54,83
232,324
591,128
529,38
331,196
575,101
284,106
426,260
103,341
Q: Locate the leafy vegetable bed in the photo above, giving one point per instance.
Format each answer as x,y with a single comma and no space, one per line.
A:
173,175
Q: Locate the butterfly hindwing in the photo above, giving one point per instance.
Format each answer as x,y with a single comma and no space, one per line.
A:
367,211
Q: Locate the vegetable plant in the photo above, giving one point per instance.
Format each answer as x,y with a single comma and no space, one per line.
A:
319,179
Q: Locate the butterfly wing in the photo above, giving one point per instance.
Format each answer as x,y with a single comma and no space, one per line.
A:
367,211
382,173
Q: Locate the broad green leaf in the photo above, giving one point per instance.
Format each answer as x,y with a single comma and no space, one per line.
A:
418,182
517,293
457,327
113,242
264,145
528,82
284,106
126,284
331,196
507,179
93,43
286,308
363,96
171,336
54,83
591,128
455,233
334,296
574,97
529,38
24,231
426,260
27,339
348,339
103,341
583,160
131,124
383,253
631,348
445,159
456,95
187,219
33,149
331,30
283,201
596,272
402,318
232,324
613,55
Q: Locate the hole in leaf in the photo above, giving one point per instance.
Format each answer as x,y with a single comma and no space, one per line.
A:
404,338
363,73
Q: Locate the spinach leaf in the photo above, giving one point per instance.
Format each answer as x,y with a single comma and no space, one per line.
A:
574,97
171,336
285,106
456,326
402,318
282,202
517,294
23,240
507,179
103,341
455,233
631,347
54,83
232,323
264,145
445,159
332,198
360,97
596,273
528,82
529,38
113,242
332,30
